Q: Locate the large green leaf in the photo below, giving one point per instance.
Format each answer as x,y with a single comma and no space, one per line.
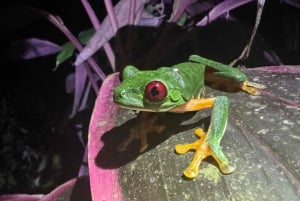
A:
85,36
67,50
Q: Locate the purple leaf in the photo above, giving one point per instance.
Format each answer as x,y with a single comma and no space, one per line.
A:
59,192
103,181
105,33
272,58
179,7
220,9
70,83
80,80
83,169
32,48
76,82
200,7
150,22
85,97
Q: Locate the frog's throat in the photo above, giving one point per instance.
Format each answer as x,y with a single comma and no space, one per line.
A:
194,104
143,109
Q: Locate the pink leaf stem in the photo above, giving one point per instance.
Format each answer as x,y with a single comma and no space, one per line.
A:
104,182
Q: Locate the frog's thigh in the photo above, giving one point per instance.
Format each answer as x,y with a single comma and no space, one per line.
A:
216,131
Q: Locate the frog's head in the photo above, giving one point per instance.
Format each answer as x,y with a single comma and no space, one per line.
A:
147,91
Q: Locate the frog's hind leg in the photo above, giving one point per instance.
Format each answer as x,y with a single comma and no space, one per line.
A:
209,143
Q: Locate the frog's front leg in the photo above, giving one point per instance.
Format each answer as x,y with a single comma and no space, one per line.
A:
209,143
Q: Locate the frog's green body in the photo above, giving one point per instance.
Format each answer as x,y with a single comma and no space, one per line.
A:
184,81
180,88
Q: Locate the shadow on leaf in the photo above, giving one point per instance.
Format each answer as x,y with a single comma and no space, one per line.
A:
110,158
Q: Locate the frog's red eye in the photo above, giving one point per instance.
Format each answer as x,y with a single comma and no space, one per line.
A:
155,91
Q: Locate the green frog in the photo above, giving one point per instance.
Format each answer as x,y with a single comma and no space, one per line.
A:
180,88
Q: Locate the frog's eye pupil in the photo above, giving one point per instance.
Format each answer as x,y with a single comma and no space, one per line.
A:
155,91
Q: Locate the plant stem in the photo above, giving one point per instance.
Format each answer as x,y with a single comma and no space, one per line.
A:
111,15
131,11
96,24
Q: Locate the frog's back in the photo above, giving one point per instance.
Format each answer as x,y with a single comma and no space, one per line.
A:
192,78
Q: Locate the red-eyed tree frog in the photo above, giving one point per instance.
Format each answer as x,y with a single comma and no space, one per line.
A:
180,88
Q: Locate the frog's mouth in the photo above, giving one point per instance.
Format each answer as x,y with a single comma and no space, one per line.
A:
144,109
